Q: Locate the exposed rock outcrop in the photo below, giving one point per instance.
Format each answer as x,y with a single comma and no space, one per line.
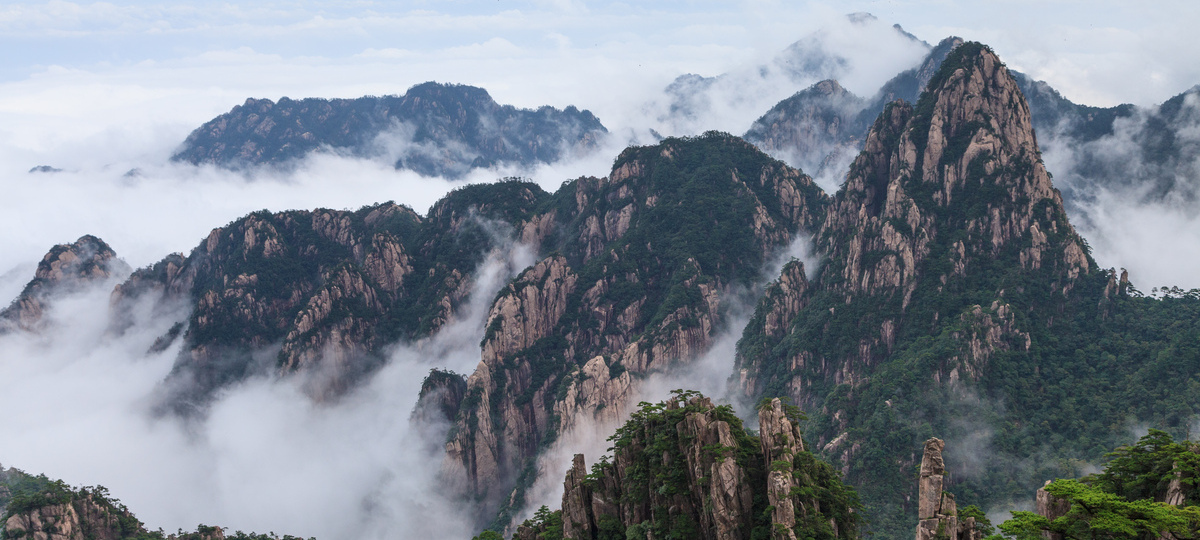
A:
86,514
633,288
937,511
688,468
441,396
1051,508
66,268
940,194
320,292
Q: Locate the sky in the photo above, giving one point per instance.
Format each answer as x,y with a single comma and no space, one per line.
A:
107,91
101,88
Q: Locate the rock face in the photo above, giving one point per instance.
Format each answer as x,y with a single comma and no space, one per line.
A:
946,249
688,469
433,129
909,84
939,194
1050,507
1144,152
635,285
441,395
811,127
321,292
64,269
936,510
822,128
87,514
77,520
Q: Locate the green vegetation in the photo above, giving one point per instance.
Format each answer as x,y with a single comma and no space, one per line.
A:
101,514
1041,363
546,525
455,128
657,481
692,208
1125,501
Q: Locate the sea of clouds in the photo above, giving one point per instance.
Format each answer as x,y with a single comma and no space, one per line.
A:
75,401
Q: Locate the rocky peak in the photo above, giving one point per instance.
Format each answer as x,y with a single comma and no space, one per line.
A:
441,396
937,512
635,286
964,159
809,126
946,252
64,269
909,84
686,468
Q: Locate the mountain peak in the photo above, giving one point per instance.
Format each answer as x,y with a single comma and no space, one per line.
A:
963,164
65,268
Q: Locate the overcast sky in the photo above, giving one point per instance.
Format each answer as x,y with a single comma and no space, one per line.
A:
1097,51
101,88
535,52
75,69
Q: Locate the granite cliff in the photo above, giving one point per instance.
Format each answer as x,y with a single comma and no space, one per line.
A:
821,129
38,508
321,292
64,269
687,469
953,286
636,284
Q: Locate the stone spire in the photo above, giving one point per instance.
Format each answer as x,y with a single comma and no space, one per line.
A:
937,512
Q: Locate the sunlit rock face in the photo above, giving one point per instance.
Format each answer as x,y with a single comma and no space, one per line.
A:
64,269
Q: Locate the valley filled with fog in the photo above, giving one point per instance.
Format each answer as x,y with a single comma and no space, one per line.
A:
77,398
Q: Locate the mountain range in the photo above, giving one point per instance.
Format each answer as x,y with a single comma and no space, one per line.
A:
433,129
951,296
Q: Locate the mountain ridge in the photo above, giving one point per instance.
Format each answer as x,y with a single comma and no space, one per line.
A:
433,129
952,281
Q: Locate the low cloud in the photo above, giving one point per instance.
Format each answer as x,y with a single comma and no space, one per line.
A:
265,457
1137,210
709,373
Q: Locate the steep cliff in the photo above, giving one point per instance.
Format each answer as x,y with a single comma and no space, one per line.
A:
64,269
321,292
1142,152
953,286
433,129
687,469
822,128
937,510
637,284
941,200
